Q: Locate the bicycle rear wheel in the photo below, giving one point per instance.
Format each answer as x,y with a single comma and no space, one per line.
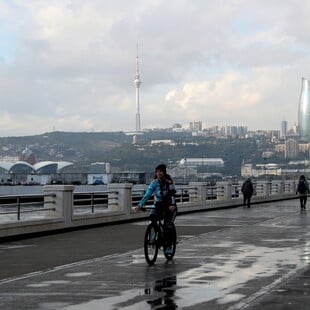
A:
170,247
151,244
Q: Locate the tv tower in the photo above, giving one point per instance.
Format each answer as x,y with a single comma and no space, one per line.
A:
137,83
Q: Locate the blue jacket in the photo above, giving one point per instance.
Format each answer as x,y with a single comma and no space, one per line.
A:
164,192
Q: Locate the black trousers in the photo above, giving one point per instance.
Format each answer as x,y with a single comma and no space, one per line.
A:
247,200
303,201
161,211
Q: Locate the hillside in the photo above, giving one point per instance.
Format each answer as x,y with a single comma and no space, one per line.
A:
68,146
116,148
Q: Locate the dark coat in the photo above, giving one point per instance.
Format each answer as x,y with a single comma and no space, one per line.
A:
302,187
247,188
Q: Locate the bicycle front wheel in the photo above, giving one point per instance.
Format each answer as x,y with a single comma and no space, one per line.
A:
151,244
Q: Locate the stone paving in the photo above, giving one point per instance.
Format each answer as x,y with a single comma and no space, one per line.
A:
240,258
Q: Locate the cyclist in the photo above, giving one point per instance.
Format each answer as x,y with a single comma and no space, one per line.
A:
163,189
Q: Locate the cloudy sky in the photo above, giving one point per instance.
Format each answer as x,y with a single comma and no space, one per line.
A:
69,65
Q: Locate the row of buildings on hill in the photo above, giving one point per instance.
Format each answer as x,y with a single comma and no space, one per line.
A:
49,172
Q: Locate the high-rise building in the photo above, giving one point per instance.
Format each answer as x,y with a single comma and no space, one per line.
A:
291,148
283,129
232,130
304,109
137,82
195,126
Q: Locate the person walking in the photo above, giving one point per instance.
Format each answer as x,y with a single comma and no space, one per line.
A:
247,191
303,191
163,189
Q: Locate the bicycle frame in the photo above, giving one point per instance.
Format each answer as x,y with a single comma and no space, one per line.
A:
154,239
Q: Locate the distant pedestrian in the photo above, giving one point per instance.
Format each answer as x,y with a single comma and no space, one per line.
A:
247,191
303,191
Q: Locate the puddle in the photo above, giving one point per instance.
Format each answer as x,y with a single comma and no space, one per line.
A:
230,298
38,285
48,283
52,305
217,280
78,274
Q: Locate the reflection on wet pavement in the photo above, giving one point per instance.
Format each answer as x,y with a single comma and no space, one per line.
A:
225,269
165,288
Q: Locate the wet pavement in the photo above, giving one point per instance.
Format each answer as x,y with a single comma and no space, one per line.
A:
257,258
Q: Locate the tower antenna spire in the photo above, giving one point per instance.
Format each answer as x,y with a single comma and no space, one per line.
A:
137,82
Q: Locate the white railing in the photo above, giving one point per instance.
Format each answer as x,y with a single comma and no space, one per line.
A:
66,209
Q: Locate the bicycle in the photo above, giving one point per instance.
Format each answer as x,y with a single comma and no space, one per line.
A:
155,238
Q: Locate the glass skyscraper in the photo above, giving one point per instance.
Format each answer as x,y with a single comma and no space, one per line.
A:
283,129
304,109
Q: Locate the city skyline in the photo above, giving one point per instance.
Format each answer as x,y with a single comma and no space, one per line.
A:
69,65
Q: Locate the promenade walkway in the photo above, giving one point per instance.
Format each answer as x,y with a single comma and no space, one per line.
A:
240,258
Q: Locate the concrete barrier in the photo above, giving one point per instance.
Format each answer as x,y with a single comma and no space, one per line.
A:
196,196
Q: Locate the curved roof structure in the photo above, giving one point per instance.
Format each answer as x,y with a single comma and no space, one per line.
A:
48,167
62,165
21,167
5,165
44,167
18,167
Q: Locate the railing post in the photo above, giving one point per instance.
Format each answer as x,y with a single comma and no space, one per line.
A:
227,191
282,191
123,201
293,187
226,186
201,193
268,189
264,190
63,200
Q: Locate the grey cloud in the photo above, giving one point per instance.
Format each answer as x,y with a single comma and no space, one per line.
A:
90,58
